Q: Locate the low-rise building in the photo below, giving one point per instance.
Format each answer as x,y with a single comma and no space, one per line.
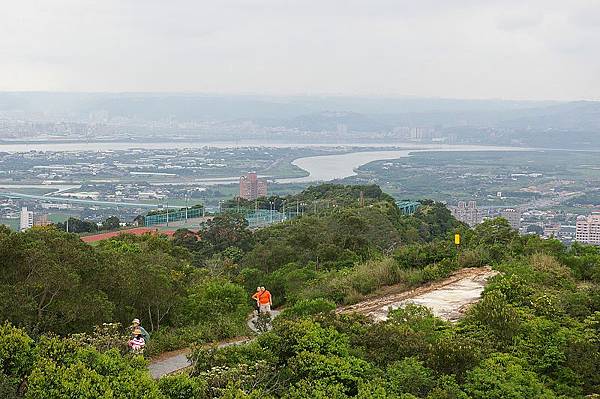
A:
552,230
42,220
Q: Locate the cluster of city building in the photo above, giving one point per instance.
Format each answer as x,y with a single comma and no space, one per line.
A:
421,134
471,214
543,223
28,219
139,165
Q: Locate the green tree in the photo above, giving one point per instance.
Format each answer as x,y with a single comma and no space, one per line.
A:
74,225
212,300
49,281
111,223
224,231
17,357
504,376
409,376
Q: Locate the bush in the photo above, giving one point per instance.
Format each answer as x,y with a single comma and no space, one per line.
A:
83,372
105,337
551,272
348,371
409,376
173,338
505,377
471,258
308,307
17,354
494,313
8,387
182,386
368,276
205,358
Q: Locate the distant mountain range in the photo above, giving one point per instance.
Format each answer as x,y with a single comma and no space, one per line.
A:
514,120
149,106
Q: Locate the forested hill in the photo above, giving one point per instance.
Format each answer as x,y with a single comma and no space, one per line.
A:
534,334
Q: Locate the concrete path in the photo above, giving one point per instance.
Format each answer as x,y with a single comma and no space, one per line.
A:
254,316
171,362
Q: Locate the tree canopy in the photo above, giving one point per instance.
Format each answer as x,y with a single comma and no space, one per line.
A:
533,334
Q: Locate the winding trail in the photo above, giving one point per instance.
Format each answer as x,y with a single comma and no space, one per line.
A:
447,299
169,362
172,362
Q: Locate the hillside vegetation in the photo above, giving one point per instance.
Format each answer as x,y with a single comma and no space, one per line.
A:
533,335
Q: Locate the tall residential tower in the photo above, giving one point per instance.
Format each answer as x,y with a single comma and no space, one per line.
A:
26,219
251,187
468,213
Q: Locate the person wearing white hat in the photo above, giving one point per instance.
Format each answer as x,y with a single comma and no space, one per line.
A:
135,324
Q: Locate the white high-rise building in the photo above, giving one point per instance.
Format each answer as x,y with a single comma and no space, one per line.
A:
588,229
468,213
513,216
26,218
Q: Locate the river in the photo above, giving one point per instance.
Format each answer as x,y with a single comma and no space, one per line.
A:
320,168
339,166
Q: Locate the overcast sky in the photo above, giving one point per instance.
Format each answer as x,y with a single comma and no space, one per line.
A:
513,49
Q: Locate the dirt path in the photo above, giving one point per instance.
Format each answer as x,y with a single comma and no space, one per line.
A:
447,299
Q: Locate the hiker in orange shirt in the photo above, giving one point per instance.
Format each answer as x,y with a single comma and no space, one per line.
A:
264,299
255,297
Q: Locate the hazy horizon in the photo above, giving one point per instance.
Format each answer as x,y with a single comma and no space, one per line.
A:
297,95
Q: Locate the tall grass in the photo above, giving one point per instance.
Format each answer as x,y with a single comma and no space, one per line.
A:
352,285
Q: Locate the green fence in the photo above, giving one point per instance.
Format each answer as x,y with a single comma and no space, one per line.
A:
169,216
408,207
255,218
264,217
258,218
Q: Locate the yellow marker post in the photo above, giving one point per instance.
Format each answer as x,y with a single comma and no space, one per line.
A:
457,239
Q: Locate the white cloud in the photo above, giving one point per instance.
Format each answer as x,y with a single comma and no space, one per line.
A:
461,48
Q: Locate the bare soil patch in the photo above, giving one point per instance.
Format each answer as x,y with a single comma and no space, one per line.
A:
447,299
